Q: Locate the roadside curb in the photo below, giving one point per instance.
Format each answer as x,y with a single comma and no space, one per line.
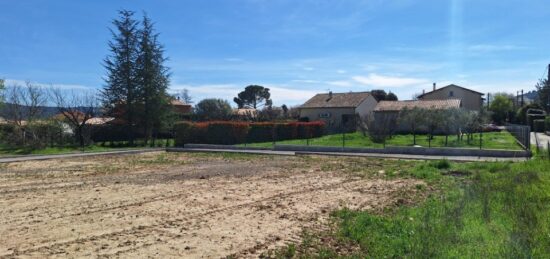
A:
72,155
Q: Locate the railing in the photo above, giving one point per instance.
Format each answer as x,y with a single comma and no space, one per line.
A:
522,134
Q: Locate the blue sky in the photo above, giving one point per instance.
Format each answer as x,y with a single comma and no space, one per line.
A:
296,48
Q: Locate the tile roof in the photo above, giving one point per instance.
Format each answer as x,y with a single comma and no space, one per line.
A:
451,85
425,104
177,102
338,100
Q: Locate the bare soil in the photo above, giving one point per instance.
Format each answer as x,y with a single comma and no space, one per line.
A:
179,205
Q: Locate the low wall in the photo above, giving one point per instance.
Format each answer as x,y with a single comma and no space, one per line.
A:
411,151
232,147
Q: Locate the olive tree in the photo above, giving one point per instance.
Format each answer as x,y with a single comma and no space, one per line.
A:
413,119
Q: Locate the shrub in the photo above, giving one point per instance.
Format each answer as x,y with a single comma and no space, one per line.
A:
547,124
226,132
34,135
532,118
232,132
261,132
110,132
538,125
184,133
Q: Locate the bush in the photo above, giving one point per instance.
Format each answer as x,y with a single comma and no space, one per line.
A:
538,125
532,118
261,132
547,124
33,136
232,132
110,132
226,133
184,133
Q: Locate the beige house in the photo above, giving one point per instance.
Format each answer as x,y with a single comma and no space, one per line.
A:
470,99
389,110
338,110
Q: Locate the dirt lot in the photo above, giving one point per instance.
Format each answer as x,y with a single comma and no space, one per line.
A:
180,205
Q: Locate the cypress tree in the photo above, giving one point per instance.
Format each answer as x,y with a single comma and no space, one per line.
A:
153,77
122,88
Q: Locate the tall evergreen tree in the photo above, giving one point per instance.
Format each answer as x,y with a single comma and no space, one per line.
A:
543,90
122,88
153,79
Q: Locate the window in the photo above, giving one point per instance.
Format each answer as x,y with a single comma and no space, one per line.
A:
451,94
324,115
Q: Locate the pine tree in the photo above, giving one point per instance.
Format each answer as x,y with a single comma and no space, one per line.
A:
153,78
122,87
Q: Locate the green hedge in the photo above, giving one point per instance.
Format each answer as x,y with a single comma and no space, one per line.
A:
231,132
538,125
532,118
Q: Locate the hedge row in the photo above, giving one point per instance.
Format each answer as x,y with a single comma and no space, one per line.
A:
115,132
231,132
538,125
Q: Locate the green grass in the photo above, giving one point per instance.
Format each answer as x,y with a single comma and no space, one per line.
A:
490,140
481,210
98,147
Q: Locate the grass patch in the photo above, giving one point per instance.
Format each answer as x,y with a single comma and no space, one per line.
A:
490,140
480,210
98,147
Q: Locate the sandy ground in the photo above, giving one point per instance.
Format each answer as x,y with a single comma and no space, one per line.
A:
175,205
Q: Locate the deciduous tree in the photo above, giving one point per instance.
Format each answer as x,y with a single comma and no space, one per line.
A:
500,107
213,109
77,108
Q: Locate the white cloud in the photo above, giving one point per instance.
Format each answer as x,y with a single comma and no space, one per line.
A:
339,83
279,94
341,71
376,80
307,81
12,82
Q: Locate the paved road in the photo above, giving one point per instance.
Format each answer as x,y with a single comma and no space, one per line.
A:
84,154
375,155
259,152
542,138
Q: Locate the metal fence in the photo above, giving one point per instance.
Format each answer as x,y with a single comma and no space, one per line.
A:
522,134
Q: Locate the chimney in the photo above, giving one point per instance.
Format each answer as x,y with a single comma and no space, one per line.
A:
329,96
423,91
434,86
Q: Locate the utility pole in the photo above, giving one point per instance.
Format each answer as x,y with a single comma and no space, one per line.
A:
522,98
488,99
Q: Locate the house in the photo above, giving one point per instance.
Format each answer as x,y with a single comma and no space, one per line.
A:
389,110
338,110
245,113
180,107
470,99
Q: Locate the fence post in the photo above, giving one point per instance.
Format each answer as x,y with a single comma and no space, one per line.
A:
274,134
343,139
481,138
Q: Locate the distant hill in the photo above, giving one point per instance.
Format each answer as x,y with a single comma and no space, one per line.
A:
45,111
